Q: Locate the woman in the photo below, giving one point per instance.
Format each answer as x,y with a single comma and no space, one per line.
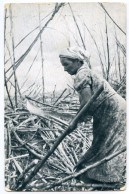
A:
108,112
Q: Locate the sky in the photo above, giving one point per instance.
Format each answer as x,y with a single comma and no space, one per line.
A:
60,31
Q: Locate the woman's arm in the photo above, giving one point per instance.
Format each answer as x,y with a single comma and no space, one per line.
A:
84,96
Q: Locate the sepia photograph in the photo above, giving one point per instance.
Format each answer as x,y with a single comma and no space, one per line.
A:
65,96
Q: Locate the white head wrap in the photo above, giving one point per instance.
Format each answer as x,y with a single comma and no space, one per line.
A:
74,53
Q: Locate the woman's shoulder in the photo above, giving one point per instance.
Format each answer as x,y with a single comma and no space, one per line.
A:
83,77
83,71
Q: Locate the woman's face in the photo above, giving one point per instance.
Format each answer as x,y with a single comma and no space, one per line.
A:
70,66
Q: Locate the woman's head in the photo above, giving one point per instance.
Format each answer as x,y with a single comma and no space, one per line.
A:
72,59
71,65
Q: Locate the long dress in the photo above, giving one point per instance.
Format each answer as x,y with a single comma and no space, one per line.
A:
109,129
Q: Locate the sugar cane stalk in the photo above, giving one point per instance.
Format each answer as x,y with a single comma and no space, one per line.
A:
108,54
9,97
59,97
14,70
42,60
79,31
112,19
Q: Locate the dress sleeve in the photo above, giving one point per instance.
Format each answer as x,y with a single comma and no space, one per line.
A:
82,80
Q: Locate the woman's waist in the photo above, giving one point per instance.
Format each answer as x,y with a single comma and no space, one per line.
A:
102,102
